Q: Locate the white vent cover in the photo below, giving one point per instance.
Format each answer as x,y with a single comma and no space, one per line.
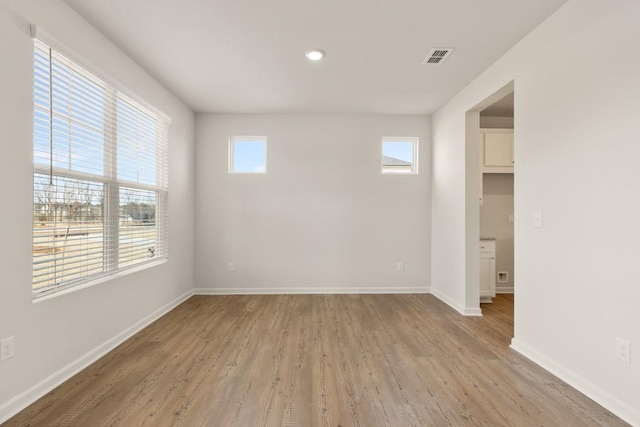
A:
437,55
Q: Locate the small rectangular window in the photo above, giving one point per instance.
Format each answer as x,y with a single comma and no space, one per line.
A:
248,154
400,155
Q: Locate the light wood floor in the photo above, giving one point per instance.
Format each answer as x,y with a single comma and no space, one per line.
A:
325,360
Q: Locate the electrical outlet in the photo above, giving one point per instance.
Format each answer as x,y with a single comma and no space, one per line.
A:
401,266
623,350
537,219
230,266
7,347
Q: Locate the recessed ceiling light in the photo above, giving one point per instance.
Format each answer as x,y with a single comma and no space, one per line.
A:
315,54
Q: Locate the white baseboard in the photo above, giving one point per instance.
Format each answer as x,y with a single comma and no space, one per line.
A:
504,289
621,409
310,291
18,403
465,311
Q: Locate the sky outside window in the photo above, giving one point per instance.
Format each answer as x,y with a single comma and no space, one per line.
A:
249,155
401,150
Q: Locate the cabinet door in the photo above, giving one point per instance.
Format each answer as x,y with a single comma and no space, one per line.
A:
498,149
487,276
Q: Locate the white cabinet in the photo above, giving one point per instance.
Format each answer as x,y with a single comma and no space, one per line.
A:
496,151
487,270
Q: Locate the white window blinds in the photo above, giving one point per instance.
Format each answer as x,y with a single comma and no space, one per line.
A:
100,184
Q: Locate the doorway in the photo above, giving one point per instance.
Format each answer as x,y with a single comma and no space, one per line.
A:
490,166
497,167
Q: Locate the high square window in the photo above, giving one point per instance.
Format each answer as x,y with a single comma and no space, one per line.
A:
399,155
248,154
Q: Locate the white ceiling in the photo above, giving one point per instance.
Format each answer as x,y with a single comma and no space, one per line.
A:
247,56
501,108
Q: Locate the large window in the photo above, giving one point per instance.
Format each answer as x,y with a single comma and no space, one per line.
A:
100,177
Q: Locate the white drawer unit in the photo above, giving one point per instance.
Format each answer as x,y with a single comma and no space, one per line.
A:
487,270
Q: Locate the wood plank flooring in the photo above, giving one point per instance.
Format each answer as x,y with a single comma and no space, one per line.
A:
318,360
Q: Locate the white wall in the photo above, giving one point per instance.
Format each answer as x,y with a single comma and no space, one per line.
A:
53,334
576,154
323,219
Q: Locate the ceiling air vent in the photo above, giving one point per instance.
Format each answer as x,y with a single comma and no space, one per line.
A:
437,55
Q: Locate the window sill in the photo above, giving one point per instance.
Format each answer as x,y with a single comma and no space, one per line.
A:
97,281
399,173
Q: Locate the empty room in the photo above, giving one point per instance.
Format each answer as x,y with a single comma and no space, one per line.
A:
337,213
